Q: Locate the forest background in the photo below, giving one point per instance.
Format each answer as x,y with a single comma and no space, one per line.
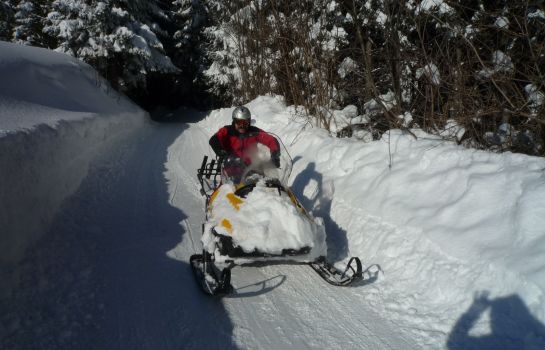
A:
468,71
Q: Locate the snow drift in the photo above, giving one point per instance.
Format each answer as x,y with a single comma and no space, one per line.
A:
56,114
450,227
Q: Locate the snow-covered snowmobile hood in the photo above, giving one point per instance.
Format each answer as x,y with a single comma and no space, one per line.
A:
269,220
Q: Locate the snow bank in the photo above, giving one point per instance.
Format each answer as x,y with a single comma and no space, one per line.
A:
450,227
56,114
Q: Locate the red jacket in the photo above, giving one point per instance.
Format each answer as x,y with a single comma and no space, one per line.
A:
228,139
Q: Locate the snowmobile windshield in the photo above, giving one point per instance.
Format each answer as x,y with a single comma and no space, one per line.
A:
256,166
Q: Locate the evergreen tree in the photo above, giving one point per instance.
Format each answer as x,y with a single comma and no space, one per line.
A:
68,22
221,73
6,19
189,17
107,35
28,23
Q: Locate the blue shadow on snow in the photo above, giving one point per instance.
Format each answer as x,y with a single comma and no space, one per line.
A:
512,326
320,204
100,277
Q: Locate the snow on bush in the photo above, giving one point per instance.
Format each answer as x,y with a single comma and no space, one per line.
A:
431,72
502,64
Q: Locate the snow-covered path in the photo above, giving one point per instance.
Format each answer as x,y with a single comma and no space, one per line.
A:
107,274
101,278
282,306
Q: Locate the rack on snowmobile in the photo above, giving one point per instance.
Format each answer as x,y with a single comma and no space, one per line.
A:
227,185
208,175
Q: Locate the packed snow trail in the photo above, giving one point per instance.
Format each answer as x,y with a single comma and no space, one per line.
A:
282,306
112,273
101,278
108,275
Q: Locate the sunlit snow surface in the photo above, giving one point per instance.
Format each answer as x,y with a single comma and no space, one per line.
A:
266,221
451,228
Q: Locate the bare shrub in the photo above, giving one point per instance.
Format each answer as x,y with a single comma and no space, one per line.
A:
476,68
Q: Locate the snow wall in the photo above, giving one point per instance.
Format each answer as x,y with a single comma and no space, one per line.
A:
56,115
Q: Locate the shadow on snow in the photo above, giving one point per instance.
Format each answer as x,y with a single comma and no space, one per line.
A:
258,288
511,326
319,201
101,279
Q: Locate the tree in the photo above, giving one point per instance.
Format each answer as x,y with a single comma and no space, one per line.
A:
107,35
29,23
290,48
6,19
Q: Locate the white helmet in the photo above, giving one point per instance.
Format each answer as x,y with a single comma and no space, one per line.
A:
242,113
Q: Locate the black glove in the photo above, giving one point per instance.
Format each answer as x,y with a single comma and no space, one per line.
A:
221,153
275,159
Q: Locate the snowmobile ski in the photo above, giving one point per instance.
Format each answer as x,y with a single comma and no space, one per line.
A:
334,276
212,280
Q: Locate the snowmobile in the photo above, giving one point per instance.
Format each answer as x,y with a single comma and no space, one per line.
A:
253,218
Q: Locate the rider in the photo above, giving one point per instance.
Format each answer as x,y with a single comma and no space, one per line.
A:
240,138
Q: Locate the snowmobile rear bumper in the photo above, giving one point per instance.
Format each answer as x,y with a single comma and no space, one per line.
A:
226,248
